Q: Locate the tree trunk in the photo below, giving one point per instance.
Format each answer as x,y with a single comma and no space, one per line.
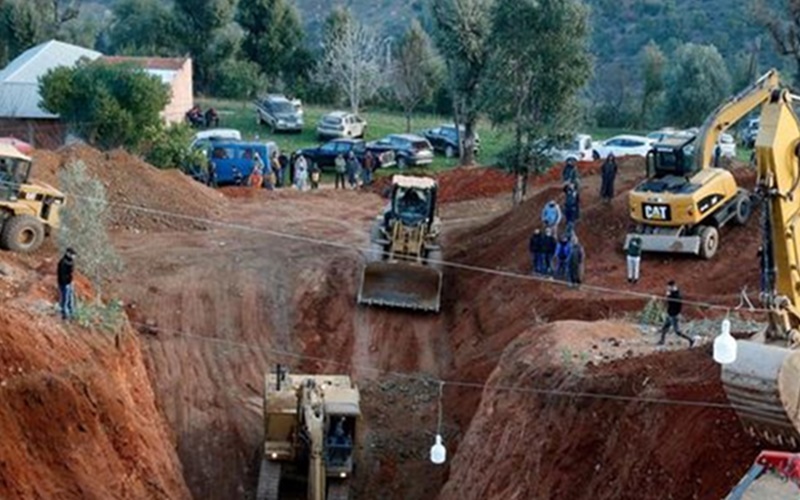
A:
468,148
408,121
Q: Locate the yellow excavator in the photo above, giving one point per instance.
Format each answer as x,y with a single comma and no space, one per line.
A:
310,424
403,264
763,383
686,200
28,211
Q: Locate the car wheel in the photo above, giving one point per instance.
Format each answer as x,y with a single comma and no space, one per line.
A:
449,151
402,163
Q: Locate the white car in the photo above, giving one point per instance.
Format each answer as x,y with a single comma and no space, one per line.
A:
727,146
340,125
580,149
202,139
623,145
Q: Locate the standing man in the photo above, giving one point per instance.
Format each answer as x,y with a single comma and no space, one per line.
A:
551,217
283,162
634,257
609,174
549,249
340,167
257,174
536,249
572,207
674,306
301,173
575,271
315,172
369,167
66,293
563,251
570,172
352,170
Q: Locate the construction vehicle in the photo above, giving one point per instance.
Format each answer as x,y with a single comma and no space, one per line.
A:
403,265
775,475
686,200
28,211
310,424
763,383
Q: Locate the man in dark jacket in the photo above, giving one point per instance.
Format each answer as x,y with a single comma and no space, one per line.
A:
674,306
536,248
549,244
570,172
572,207
575,270
609,174
283,166
563,252
66,294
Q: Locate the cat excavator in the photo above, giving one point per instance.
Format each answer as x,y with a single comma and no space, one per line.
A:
310,429
763,383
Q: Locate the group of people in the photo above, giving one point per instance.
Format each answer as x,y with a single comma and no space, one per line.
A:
284,171
353,170
561,259
196,118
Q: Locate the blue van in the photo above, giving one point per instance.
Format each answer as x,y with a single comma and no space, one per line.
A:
232,161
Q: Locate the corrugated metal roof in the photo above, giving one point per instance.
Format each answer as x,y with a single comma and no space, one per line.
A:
19,81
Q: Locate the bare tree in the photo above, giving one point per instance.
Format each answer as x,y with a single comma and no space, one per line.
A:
83,226
415,71
352,60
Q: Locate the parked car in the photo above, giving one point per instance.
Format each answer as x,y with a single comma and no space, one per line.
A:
206,137
279,114
581,149
444,139
233,161
727,146
623,145
325,155
409,149
340,124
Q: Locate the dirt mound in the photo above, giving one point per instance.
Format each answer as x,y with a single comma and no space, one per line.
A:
79,417
131,182
554,446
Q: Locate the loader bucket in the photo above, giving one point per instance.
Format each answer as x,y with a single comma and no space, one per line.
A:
401,284
763,386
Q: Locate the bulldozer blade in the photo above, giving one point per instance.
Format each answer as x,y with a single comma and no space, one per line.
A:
399,284
763,386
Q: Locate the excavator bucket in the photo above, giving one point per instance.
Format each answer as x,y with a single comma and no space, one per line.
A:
401,284
763,386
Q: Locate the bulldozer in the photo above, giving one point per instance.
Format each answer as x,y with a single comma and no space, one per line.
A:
310,424
28,211
763,383
686,200
403,264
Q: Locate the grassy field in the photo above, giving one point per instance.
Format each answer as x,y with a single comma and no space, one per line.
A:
241,115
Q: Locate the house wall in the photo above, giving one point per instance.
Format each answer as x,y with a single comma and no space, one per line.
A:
182,95
40,133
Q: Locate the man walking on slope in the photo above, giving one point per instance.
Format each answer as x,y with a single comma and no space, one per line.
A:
66,293
674,306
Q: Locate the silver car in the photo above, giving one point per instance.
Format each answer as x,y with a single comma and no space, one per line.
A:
341,125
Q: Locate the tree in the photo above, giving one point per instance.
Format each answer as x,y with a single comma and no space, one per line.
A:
83,226
204,30
461,32
142,27
697,81
784,29
416,71
653,62
109,105
351,60
21,27
273,38
533,85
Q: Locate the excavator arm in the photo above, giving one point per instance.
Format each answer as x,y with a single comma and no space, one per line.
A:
729,113
312,406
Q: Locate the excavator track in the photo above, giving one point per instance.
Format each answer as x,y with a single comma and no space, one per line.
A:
338,490
269,480
763,386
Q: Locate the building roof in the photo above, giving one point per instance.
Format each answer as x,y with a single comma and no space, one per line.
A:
19,81
163,67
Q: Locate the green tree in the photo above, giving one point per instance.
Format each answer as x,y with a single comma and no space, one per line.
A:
783,25
416,73
534,85
462,30
142,27
697,81
165,147
204,28
21,27
84,222
273,38
235,79
108,105
653,64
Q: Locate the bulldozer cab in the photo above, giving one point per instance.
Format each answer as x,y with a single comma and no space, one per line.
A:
414,205
15,169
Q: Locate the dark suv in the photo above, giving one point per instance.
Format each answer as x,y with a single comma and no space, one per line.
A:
325,155
408,149
279,114
445,139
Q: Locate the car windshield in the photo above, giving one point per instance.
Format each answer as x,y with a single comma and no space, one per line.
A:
283,107
332,120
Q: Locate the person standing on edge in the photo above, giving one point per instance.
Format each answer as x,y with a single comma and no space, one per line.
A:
66,293
283,162
549,249
340,167
257,174
369,167
674,306
536,249
301,173
575,270
634,258
572,207
563,251
315,172
569,175
352,170
609,174
551,217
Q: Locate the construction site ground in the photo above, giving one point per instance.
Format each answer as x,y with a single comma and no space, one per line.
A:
219,286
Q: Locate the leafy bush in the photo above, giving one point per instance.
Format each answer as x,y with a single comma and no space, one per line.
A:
167,147
235,79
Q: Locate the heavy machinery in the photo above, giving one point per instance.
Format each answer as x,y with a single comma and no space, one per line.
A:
402,270
763,383
28,211
685,200
310,424
774,475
